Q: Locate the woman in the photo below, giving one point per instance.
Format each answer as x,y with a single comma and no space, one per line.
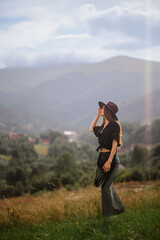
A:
109,137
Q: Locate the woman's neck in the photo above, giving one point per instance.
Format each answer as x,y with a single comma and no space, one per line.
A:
106,122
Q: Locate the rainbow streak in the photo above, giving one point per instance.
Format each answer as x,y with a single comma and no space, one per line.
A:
148,75
148,105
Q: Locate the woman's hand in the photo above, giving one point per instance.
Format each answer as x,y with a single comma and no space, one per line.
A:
106,167
98,111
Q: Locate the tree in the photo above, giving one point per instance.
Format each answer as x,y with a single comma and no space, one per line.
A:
67,178
20,176
140,156
128,130
59,146
65,164
88,137
52,135
28,150
16,153
142,134
35,171
10,177
155,131
155,152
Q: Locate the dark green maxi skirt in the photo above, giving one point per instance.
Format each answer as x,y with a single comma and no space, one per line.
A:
111,203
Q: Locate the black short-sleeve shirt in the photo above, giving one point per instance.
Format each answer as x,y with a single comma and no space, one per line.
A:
110,132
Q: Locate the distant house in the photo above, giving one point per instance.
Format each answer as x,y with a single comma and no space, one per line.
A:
45,141
32,140
121,150
72,136
15,135
140,145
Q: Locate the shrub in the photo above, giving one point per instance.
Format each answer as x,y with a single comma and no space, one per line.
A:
139,156
19,189
6,190
156,151
67,178
124,175
155,161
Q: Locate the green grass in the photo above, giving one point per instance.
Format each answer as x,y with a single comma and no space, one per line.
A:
141,220
4,157
41,149
135,224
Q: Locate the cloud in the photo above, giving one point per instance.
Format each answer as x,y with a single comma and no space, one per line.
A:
72,36
75,31
136,23
57,57
26,34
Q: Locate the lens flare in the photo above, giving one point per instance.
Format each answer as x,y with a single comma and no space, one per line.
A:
148,75
148,79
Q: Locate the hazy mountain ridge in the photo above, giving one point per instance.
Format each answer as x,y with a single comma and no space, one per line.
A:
143,108
18,79
71,98
23,122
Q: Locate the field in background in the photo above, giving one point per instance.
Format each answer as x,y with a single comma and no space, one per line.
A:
4,157
41,149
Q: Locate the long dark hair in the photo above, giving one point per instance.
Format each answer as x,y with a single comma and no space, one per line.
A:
111,117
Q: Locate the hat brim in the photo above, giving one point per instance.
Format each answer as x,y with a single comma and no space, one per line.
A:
101,104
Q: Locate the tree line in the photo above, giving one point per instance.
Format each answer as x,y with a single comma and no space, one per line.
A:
71,164
23,170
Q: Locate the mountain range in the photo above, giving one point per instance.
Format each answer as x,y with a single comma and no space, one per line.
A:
66,97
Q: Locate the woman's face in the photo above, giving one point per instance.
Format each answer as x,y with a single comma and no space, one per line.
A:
102,111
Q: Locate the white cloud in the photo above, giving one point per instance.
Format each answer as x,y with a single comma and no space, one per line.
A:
86,11
72,36
26,34
89,11
32,33
136,23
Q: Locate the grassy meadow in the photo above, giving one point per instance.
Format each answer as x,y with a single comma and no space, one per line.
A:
41,149
4,157
75,214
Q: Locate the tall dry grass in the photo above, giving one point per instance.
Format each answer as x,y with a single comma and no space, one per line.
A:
61,204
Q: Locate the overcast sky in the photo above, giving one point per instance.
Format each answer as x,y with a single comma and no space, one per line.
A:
46,32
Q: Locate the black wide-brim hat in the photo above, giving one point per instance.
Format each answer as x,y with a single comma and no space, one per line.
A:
111,106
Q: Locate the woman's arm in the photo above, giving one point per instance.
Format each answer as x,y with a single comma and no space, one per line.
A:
94,123
106,167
